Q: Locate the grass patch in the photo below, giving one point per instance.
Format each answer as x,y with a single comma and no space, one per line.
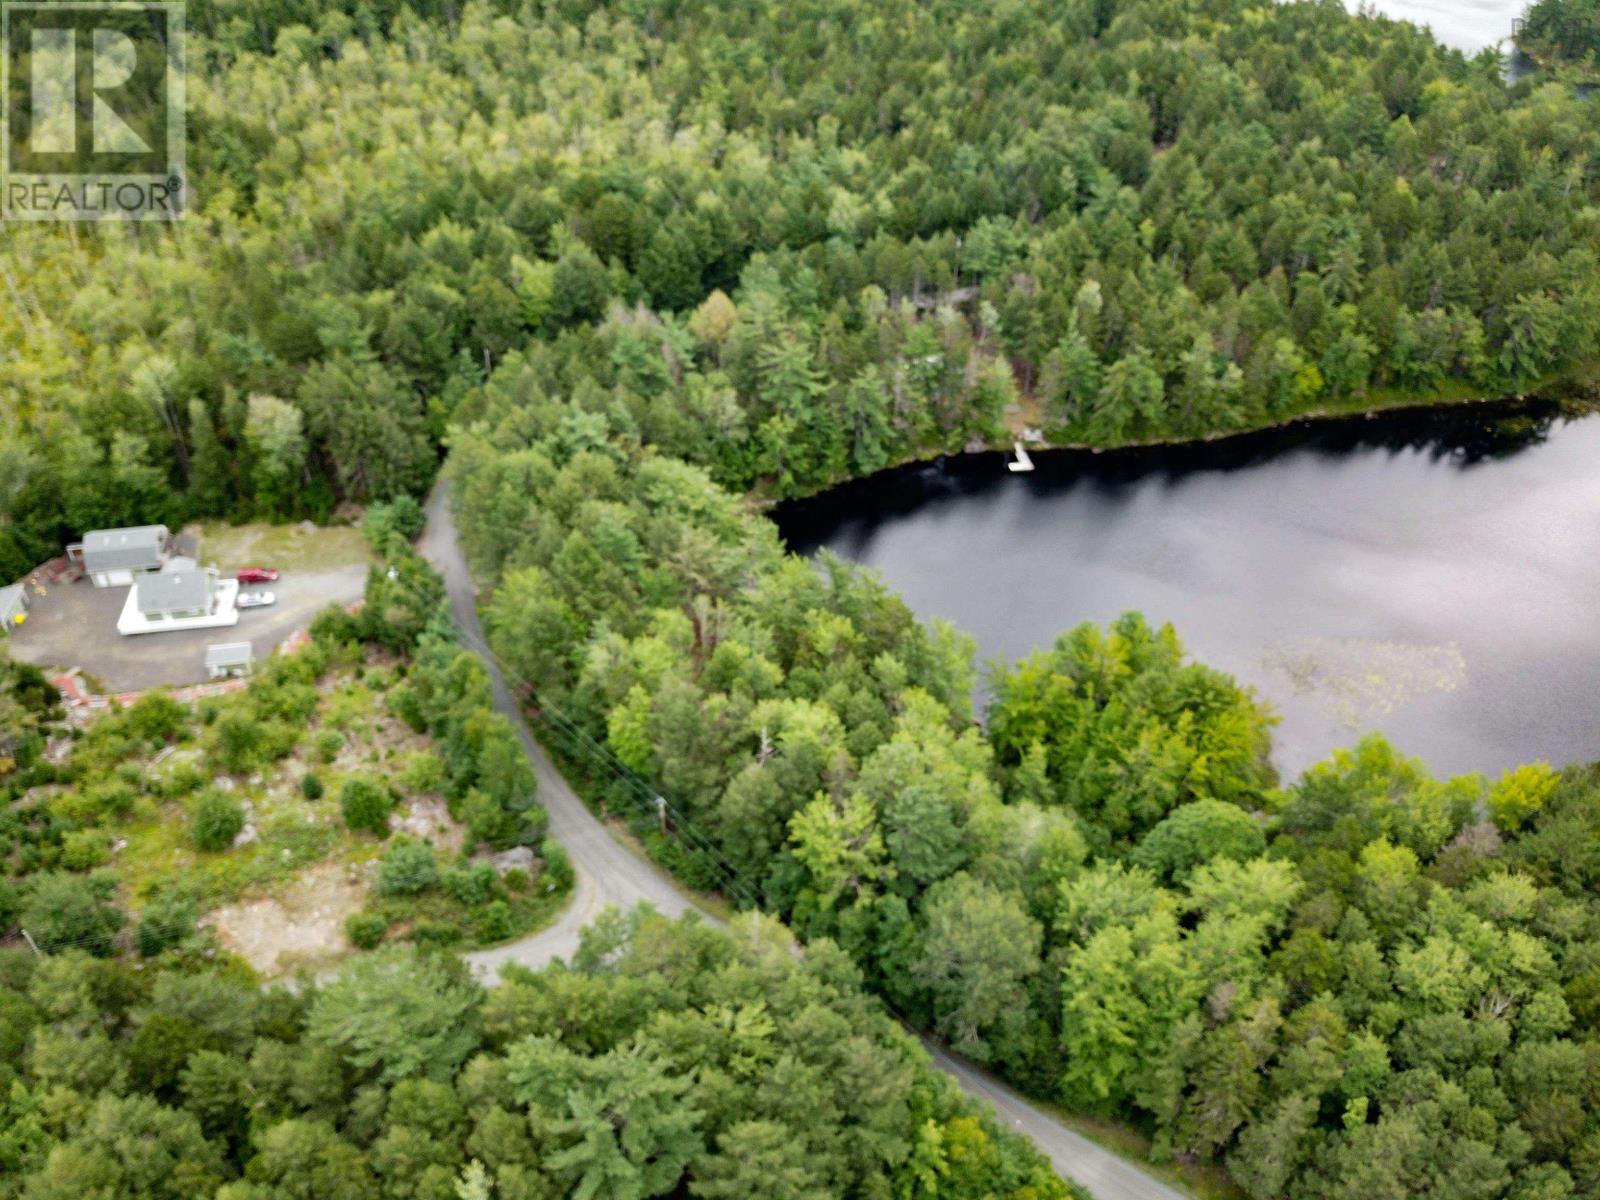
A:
292,834
286,547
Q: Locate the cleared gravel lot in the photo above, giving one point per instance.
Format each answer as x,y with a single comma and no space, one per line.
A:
75,625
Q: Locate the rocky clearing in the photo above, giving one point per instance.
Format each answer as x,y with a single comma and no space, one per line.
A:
301,927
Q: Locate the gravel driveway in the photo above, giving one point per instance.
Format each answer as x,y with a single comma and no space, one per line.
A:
75,625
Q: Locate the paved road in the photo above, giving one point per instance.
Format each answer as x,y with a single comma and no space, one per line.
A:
608,874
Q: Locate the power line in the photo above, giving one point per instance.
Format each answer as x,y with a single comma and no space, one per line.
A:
652,798
597,752
603,754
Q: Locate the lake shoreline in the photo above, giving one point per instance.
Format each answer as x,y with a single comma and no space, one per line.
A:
1572,393
1340,564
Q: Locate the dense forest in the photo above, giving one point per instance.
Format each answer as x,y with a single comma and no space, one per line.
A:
631,262
1562,31
793,243
140,1060
669,1059
1367,983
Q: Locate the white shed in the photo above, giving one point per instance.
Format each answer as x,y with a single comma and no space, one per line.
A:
224,660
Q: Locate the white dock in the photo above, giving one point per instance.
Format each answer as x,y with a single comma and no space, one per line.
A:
1022,462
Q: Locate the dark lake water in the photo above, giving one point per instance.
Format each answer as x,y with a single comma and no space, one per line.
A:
1432,576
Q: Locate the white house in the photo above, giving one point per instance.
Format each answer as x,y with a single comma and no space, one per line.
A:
116,557
168,601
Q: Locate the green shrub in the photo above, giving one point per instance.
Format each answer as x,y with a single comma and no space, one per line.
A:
181,779
503,769
470,885
327,744
10,904
391,527
64,912
408,867
404,703
281,739
365,805
156,718
557,866
516,880
85,849
487,823
365,929
215,820
435,933
311,786
239,742
108,800
334,626
494,922
166,922
286,700
423,772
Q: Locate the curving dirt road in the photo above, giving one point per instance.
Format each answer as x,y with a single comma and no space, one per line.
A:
608,874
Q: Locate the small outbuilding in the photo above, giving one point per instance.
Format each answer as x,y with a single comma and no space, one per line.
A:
116,557
228,660
13,605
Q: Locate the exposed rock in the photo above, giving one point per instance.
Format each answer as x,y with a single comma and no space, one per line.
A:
427,818
302,926
245,836
518,858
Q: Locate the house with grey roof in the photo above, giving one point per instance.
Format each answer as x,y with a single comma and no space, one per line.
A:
116,557
172,594
170,600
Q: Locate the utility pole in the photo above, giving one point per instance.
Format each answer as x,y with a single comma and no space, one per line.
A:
661,813
32,945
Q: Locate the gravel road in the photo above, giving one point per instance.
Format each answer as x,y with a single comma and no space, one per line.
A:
609,874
